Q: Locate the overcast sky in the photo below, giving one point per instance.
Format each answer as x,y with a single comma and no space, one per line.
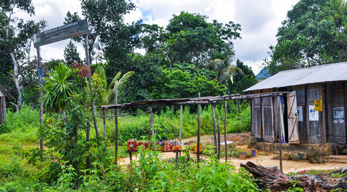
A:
259,21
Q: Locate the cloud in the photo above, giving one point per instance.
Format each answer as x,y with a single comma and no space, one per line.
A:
259,21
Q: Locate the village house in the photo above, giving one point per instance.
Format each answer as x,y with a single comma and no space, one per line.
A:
312,112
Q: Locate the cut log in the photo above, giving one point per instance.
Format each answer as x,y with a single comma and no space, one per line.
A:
273,179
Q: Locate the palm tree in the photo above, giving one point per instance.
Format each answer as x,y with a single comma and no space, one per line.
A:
224,71
118,82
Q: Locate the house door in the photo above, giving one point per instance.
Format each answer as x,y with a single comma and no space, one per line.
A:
293,131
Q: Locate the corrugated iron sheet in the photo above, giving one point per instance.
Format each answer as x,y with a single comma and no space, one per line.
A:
316,74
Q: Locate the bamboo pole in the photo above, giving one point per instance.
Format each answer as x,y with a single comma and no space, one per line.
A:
214,129
225,129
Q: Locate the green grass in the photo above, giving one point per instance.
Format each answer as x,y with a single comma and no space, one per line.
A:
311,172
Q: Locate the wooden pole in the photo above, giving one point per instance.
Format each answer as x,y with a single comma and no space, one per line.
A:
225,129
40,96
151,121
104,122
214,129
116,133
198,142
180,134
199,108
238,106
219,135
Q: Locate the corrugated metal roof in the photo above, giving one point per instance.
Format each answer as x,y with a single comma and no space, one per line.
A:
316,74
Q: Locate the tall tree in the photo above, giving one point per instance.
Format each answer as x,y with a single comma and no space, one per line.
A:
16,36
191,39
71,54
314,33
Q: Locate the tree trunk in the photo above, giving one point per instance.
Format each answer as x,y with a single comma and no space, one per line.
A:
16,82
91,88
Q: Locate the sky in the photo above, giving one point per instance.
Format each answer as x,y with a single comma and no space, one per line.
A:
259,20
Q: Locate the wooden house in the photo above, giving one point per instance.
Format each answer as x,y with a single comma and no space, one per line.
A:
313,110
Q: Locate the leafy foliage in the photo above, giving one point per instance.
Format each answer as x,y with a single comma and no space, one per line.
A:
313,34
176,83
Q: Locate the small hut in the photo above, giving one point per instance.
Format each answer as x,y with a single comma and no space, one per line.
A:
313,112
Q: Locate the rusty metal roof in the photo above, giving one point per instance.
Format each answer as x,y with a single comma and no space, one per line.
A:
316,74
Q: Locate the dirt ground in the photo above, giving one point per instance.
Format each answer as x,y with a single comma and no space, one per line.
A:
263,159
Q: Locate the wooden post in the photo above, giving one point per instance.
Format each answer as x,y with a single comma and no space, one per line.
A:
214,129
225,129
280,134
40,96
104,122
180,134
151,120
238,106
261,119
116,132
322,113
219,136
198,142
199,108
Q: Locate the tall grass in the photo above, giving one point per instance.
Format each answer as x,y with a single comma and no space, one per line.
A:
23,127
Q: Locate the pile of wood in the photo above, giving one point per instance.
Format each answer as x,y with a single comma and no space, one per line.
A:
273,179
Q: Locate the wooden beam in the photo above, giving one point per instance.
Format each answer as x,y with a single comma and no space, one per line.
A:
191,101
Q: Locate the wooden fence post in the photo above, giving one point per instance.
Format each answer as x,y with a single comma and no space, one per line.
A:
225,129
214,129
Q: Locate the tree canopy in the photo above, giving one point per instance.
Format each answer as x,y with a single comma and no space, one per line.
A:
314,33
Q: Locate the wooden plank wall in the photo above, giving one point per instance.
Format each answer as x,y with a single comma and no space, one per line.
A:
338,129
323,130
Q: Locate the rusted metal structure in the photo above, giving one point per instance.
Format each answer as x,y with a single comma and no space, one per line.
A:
314,111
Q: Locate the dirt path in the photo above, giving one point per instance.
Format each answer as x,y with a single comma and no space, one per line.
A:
264,160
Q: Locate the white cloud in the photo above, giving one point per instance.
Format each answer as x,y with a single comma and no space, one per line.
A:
259,21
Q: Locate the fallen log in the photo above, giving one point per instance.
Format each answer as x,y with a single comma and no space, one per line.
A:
273,179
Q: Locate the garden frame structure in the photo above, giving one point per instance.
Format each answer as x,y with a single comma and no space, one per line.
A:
211,100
